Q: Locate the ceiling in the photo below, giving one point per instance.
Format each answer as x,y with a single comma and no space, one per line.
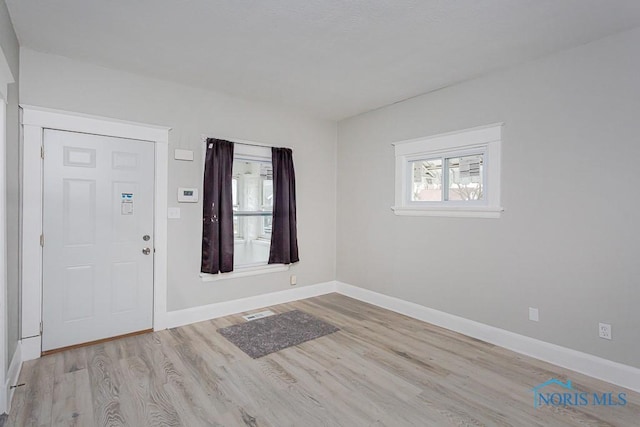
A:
330,58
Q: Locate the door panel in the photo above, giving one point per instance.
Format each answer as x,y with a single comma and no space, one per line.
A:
124,295
78,293
98,205
79,212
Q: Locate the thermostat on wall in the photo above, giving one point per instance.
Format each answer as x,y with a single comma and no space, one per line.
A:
187,195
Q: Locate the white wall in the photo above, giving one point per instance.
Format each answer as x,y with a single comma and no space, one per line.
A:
61,83
568,242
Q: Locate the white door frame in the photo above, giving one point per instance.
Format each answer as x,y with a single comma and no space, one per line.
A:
34,121
6,78
4,394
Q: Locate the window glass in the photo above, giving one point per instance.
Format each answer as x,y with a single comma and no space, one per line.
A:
426,180
253,205
465,177
267,205
234,193
462,176
234,196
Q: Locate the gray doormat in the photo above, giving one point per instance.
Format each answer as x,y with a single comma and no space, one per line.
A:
260,337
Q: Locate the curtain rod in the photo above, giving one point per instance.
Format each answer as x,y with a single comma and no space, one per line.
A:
243,142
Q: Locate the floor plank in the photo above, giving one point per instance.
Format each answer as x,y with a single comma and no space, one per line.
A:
380,369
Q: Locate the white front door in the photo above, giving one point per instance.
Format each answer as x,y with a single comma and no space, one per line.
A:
98,237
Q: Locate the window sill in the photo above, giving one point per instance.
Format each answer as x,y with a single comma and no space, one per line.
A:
452,212
245,272
259,241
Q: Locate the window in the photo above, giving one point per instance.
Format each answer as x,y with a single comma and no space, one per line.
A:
448,178
453,174
252,187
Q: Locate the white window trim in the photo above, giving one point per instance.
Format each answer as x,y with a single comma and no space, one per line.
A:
245,272
485,139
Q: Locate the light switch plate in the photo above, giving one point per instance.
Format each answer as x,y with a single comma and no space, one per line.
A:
173,213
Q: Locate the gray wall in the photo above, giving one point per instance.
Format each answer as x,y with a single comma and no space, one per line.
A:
568,241
10,49
8,40
56,82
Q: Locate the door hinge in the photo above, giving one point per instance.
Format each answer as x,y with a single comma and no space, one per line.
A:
42,240
42,151
41,327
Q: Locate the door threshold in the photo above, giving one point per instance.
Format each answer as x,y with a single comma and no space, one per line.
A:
100,341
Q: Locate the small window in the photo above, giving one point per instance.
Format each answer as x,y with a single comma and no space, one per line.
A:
252,186
453,174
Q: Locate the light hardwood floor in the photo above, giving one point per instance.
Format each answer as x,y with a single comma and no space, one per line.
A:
380,369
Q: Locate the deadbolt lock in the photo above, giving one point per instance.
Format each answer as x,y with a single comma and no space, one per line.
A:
146,237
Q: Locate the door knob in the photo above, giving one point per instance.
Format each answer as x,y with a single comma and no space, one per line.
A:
146,251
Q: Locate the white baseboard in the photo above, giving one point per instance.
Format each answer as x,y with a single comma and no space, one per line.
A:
173,319
12,375
593,366
31,348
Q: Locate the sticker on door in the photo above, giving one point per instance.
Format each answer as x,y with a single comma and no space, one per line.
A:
126,204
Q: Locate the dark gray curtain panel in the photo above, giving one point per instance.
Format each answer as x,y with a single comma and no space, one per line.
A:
217,210
284,235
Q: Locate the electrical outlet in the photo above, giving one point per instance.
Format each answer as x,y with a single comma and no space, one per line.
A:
293,280
604,330
533,314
